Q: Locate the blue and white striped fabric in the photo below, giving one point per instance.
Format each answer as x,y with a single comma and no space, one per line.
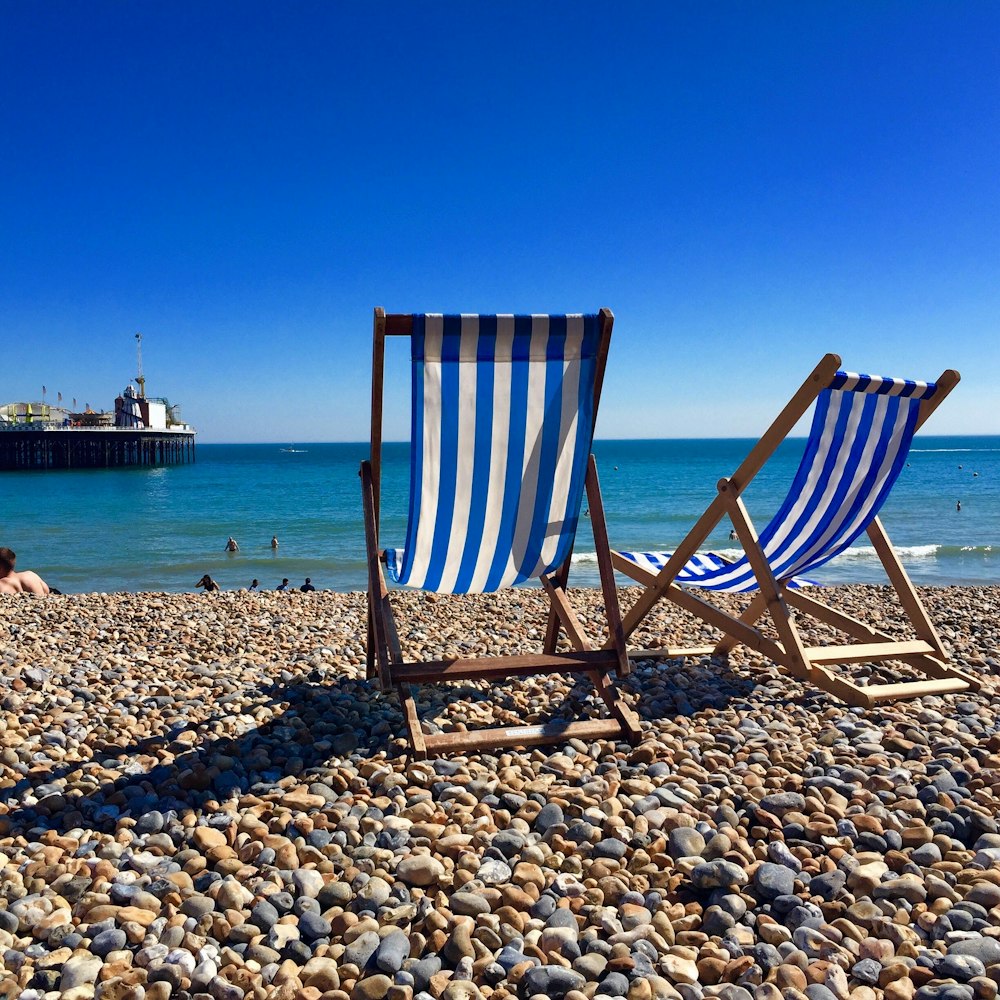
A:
697,568
502,423
861,433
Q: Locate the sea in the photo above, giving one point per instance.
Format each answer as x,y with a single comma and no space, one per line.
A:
161,529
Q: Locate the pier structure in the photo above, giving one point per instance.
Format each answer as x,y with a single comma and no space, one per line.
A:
54,446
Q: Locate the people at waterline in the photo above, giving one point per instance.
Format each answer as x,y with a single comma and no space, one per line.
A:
13,582
732,535
307,587
283,585
274,541
231,545
254,584
958,505
208,583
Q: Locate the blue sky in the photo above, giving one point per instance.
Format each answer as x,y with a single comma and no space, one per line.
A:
746,186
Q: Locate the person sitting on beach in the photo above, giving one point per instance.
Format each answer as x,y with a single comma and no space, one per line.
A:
12,582
307,587
231,545
254,584
208,583
283,585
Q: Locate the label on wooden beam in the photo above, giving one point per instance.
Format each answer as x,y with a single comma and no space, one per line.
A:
525,731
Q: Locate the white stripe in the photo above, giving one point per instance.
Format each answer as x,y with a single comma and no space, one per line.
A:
498,452
468,347
535,419
431,470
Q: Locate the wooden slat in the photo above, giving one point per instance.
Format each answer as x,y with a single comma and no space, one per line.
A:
523,736
669,653
494,667
864,652
915,689
399,325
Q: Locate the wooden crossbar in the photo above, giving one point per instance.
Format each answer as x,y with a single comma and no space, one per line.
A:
494,667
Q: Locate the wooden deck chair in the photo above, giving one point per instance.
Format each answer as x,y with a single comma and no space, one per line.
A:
503,411
861,433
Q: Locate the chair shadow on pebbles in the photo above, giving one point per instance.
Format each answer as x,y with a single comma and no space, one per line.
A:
296,733
309,725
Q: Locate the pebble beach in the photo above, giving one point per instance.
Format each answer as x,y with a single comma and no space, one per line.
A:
202,797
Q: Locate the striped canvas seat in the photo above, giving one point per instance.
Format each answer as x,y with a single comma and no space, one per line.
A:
697,569
861,432
502,420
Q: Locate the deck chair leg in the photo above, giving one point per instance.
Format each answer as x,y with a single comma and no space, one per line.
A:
370,644
905,591
558,580
617,707
409,707
795,657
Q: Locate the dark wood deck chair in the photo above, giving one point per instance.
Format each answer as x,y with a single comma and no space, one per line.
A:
503,411
861,433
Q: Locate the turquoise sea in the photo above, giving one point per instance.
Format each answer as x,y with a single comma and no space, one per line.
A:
161,529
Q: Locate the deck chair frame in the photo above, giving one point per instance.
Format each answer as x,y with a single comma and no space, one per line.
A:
385,660
777,600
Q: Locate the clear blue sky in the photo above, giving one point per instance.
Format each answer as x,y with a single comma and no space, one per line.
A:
746,186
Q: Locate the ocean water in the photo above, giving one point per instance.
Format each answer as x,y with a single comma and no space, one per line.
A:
161,529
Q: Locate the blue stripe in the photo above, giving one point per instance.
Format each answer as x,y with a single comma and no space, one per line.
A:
482,452
448,472
416,443
519,369
548,449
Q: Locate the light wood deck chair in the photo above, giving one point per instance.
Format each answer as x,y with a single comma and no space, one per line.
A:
861,433
503,411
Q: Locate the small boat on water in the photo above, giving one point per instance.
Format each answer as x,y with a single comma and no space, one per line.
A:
291,450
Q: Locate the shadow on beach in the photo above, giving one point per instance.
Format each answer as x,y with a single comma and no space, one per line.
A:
317,720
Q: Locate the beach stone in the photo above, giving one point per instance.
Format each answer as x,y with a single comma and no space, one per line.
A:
372,988
772,880
420,869
550,981
960,967
685,842
361,949
393,950
718,874
986,950
79,970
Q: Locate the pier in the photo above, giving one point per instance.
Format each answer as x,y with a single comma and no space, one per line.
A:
40,446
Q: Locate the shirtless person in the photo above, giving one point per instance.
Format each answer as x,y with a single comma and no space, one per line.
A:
12,582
